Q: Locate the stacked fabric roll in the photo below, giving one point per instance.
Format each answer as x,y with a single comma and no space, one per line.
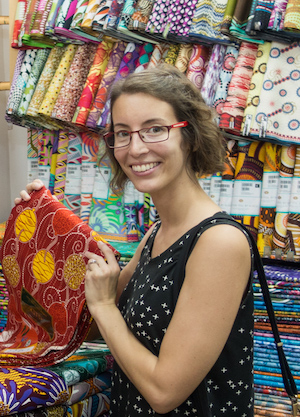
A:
284,285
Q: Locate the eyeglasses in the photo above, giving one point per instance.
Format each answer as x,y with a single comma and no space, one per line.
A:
152,134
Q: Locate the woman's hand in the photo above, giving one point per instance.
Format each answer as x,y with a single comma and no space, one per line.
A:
24,194
102,277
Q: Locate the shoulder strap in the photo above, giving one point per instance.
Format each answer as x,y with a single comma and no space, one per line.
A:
287,376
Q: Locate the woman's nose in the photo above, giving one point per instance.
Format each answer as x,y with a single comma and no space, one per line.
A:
137,146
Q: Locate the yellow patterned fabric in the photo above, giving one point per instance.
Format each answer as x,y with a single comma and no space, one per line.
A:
57,81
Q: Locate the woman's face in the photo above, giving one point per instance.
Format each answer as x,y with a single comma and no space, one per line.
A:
152,167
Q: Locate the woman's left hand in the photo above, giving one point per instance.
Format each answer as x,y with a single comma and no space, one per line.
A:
101,278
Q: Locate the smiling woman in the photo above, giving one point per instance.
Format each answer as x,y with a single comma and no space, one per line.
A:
178,318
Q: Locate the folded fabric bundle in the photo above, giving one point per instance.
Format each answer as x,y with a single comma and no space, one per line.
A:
44,266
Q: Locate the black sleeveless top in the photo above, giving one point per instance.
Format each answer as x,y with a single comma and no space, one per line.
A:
147,305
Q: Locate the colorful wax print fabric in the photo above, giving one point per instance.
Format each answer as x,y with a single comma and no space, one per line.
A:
276,116
28,389
286,172
245,206
44,266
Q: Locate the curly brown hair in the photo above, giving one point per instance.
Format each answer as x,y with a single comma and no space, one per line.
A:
201,138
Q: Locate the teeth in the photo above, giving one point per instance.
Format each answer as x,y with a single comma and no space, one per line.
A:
144,167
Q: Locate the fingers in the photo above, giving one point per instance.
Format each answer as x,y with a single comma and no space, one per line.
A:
24,194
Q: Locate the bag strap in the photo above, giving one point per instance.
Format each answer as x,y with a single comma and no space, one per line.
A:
287,376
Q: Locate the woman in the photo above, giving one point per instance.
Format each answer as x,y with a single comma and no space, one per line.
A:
178,318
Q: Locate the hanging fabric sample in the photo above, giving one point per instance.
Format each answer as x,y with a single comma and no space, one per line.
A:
286,172
32,154
245,206
73,174
89,165
268,198
45,155
292,243
44,266
107,215
61,165
227,183
233,109
276,117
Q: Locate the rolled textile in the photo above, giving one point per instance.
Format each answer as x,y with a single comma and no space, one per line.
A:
246,198
275,116
172,54
227,183
277,16
113,17
90,13
292,16
140,16
48,103
270,182
28,20
179,20
90,148
92,83
287,166
40,19
207,19
70,92
233,110
21,81
158,17
17,70
44,81
158,55
127,66
260,17
73,174
49,27
292,243
18,19
227,18
77,20
225,76
253,97
144,56
108,77
183,57
212,74
240,20
61,165
36,70
99,19
197,65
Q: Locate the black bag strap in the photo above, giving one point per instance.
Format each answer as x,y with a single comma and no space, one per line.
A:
287,376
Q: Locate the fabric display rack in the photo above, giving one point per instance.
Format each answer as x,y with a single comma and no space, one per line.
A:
244,58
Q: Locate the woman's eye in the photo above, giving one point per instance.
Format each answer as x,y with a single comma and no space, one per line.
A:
155,130
122,134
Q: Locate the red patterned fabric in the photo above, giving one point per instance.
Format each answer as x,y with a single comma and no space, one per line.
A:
44,268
